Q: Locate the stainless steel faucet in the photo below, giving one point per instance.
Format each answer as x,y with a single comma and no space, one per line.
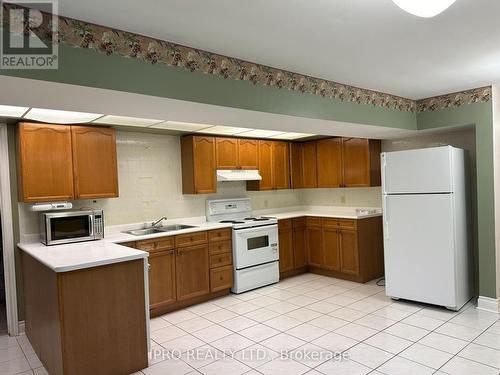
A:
155,223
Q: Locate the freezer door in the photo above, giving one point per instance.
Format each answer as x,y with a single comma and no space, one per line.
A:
417,171
419,248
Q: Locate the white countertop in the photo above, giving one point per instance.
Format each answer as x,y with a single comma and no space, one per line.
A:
70,257
333,212
79,255
75,256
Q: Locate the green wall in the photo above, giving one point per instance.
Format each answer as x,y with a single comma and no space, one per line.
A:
480,115
89,68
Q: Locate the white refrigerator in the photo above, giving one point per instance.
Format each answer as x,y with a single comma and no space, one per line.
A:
425,215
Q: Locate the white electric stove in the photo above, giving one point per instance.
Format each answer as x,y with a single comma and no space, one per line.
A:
255,243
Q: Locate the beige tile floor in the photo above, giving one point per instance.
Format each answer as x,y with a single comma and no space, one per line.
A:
309,324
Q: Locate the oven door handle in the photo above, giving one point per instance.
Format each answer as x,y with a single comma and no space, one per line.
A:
264,228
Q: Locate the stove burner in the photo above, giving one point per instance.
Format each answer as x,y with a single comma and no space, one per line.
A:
256,218
232,221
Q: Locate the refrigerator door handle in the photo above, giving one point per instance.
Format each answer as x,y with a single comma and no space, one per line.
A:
385,214
383,172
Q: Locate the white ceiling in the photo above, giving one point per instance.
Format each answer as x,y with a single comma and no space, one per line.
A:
366,43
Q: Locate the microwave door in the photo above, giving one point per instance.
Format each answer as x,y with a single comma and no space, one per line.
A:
70,228
254,246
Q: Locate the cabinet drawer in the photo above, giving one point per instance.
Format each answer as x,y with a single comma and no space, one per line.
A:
299,222
157,244
219,260
313,221
220,234
190,239
285,224
221,278
339,223
220,247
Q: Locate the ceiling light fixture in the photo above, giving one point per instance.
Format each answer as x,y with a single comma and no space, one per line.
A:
181,126
12,111
258,133
424,8
59,117
126,121
223,130
291,136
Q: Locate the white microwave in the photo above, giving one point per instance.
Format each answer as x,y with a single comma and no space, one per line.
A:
71,226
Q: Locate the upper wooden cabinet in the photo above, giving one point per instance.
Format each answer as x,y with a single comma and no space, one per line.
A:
232,153
303,165
361,160
198,165
281,165
248,153
329,162
94,162
226,153
335,162
62,162
45,170
274,166
265,167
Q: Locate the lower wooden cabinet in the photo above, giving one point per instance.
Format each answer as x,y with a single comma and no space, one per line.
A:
314,243
299,243
162,280
343,248
348,249
221,260
331,248
193,278
87,321
221,278
188,268
285,240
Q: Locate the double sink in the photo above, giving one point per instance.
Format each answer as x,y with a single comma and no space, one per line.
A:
158,229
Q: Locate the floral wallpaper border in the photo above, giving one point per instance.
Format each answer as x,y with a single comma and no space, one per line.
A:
453,100
112,41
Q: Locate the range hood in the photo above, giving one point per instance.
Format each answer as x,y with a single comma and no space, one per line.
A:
238,175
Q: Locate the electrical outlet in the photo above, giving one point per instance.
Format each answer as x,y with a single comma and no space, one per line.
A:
266,203
342,199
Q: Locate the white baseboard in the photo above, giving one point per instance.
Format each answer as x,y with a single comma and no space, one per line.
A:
21,326
488,304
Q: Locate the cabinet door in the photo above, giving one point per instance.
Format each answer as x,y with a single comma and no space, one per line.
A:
329,159
94,162
227,153
281,165
309,165
331,249
286,249
162,288
299,247
314,246
248,153
296,166
356,160
192,270
349,252
204,165
45,162
266,165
